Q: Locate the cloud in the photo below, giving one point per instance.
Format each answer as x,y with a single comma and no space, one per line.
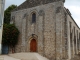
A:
75,10
10,2
77,21
74,7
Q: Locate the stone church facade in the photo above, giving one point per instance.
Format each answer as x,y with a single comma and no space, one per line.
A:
46,27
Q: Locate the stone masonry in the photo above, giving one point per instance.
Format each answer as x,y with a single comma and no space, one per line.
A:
55,31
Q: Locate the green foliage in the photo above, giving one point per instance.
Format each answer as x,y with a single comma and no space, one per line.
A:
7,13
10,35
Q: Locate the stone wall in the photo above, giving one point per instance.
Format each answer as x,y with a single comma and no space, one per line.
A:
52,30
47,28
72,35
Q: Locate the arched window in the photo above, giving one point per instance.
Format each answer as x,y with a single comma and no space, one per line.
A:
33,18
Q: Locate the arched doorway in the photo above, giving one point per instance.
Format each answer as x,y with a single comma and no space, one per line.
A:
33,45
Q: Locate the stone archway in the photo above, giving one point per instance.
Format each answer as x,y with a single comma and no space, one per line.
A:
33,46
33,39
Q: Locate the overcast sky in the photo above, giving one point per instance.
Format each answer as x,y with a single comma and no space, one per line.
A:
72,5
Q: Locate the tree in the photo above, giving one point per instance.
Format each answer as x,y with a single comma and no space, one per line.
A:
7,13
10,35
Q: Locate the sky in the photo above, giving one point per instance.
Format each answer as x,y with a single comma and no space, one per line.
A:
72,5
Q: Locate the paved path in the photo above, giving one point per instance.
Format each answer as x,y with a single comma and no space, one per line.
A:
77,57
6,57
22,56
28,56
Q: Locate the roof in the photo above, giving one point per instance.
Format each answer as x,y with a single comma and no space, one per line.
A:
33,3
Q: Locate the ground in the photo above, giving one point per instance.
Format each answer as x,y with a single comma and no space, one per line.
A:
77,57
22,55
6,57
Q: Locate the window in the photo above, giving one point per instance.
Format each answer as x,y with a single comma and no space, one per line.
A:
33,18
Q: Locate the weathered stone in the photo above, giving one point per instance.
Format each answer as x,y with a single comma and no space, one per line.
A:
54,29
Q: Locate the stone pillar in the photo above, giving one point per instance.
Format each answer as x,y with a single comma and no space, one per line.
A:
59,20
23,34
69,47
41,32
73,43
58,35
79,42
76,44
58,39
65,36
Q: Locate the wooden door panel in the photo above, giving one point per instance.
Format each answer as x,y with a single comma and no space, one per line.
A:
33,45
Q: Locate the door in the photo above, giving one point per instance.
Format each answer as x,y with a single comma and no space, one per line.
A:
33,45
5,49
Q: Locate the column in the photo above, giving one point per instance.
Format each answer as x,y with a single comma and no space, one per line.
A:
69,47
76,43
41,32
23,33
79,42
73,42
59,35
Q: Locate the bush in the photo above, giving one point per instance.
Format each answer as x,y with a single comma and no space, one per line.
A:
10,35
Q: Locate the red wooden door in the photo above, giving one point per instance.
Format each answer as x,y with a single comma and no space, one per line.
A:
33,45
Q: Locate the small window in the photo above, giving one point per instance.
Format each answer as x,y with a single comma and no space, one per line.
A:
33,18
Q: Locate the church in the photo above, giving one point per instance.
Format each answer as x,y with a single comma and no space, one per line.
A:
46,27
